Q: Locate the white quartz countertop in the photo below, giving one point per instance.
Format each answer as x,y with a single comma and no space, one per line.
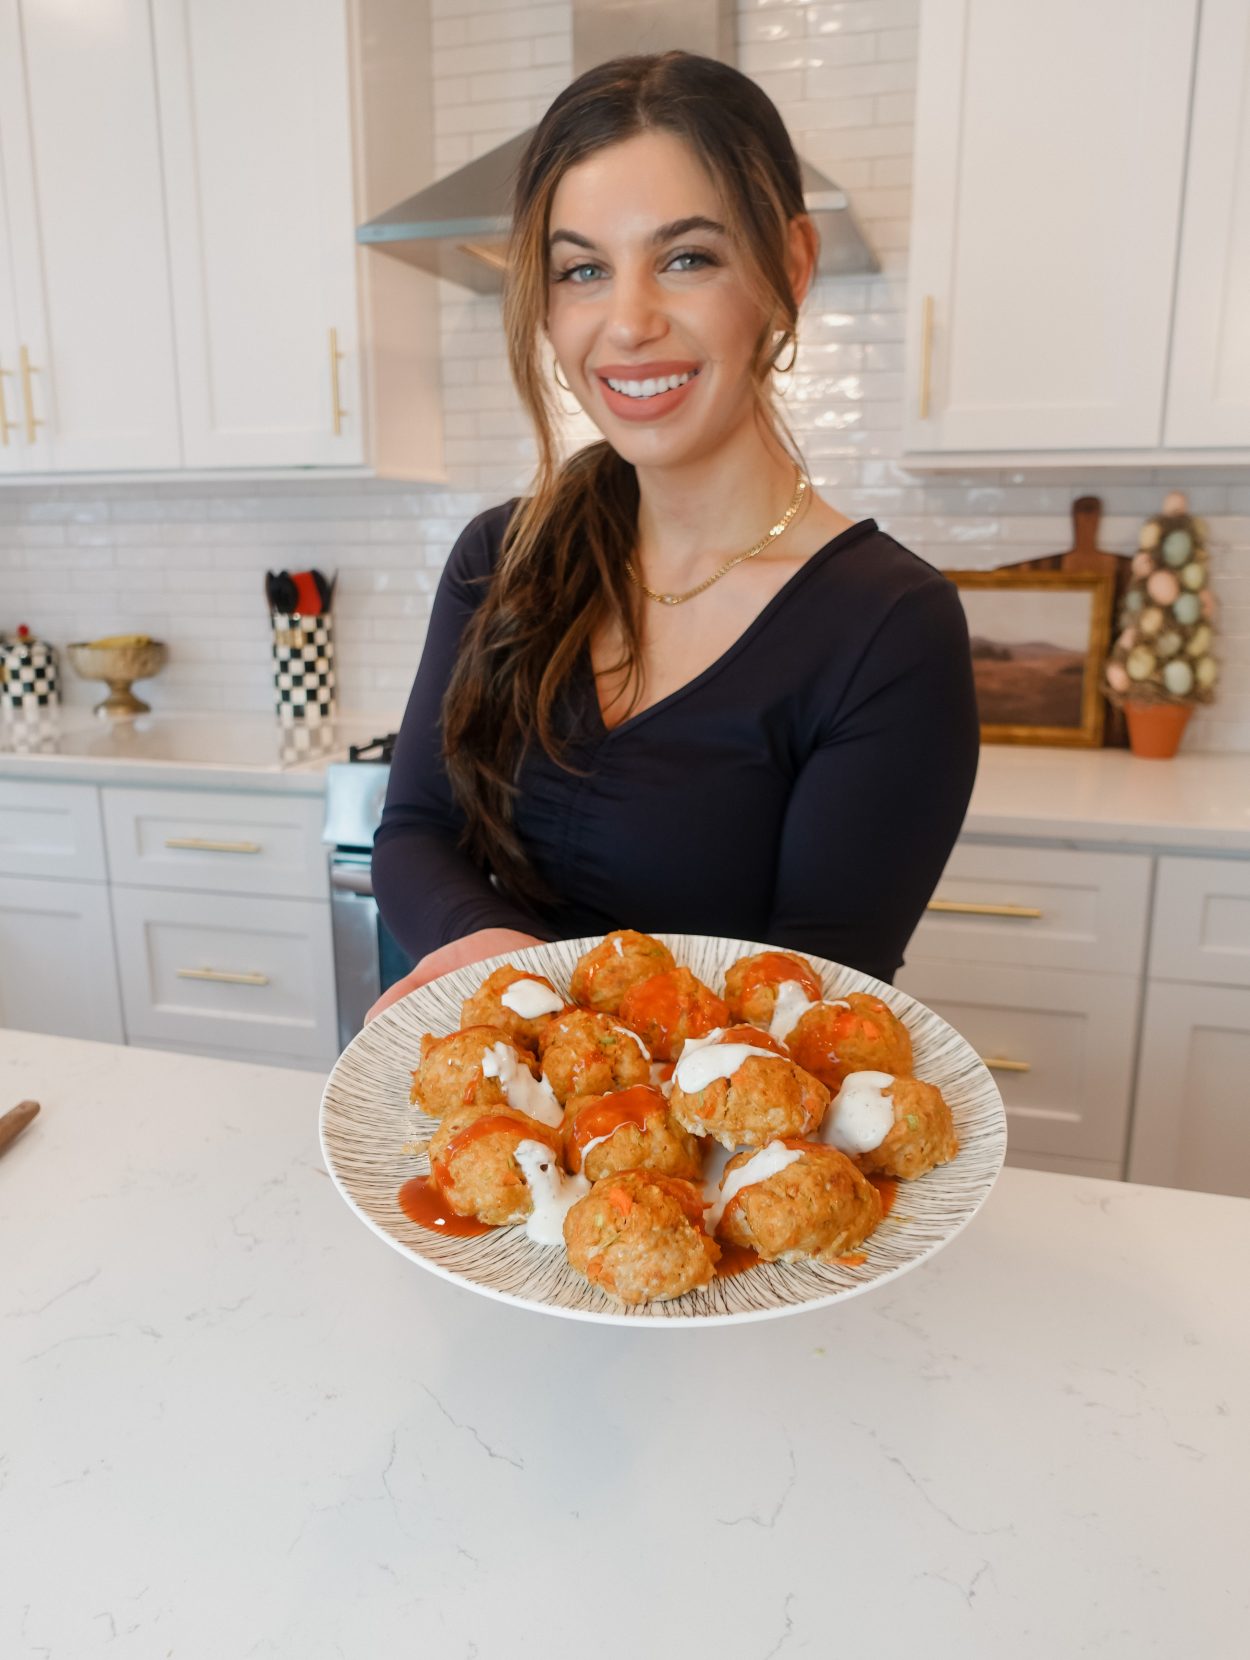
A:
1196,802
207,750
1109,795
237,1424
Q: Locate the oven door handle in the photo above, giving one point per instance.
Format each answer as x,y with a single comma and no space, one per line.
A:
352,879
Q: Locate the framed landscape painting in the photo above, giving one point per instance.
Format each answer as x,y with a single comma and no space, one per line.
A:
1038,642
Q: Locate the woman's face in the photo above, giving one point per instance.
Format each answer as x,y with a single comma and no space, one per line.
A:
643,287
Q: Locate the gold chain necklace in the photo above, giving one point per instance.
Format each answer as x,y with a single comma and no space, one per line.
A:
800,489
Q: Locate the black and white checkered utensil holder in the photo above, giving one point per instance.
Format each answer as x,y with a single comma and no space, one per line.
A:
28,675
303,666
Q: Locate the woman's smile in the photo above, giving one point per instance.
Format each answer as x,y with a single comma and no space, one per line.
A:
639,397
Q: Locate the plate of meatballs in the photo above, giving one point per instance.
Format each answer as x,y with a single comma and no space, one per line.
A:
662,1127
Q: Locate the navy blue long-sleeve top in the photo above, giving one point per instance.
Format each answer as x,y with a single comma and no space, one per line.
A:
804,790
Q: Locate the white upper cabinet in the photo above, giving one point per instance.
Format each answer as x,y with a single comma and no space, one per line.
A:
1209,386
256,128
180,283
1057,175
93,346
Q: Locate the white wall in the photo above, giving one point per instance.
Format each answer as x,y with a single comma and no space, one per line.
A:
185,561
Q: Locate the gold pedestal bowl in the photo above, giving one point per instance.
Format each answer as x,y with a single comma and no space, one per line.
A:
119,662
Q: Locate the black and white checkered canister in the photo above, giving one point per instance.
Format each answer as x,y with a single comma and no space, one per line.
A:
28,676
303,666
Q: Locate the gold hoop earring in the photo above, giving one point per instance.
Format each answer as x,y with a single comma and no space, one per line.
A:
562,384
785,368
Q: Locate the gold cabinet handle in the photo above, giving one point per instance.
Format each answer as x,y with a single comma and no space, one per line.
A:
223,976
6,426
335,355
28,398
969,907
926,354
203,844
1000,1063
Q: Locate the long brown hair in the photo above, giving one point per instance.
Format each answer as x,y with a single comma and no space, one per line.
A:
561,570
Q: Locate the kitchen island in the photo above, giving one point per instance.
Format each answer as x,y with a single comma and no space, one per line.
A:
237,1424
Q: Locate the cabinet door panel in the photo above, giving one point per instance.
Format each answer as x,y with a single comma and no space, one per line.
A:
1074,1035
1050,141
1201,928
218,972
57,972
1092,908
1191,1122
258,149
1209,384
87,213
51,830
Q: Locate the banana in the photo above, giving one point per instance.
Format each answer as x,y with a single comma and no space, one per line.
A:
112,640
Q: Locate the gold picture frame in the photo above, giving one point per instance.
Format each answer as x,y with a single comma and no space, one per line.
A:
1038,666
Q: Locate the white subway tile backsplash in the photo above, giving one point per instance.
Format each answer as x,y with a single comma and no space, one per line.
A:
185,559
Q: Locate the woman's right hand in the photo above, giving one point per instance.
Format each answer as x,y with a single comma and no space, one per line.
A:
473,948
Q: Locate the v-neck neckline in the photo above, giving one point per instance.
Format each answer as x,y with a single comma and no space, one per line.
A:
602,732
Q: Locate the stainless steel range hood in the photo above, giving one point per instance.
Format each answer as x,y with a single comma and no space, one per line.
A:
458,227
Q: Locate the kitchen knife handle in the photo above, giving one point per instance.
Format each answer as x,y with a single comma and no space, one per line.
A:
13,1123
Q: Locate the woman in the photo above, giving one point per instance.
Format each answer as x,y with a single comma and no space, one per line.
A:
672,689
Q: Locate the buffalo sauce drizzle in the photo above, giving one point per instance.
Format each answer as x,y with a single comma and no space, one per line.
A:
601,1118
771,968
424,1202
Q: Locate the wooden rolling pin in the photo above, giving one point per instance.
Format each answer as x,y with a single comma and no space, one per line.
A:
15,1121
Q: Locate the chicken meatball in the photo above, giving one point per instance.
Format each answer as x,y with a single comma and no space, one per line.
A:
892,1126
756,986
795,1199
473,1161
639,1236
739,1087
605,973
451,1072
855,1033
515,1001
629,1129
669,1008
585,1053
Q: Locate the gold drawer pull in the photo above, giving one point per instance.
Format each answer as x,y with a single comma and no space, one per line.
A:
6,426
203,844
969,907
926,355
337,412
28,397
223,977
1000,1063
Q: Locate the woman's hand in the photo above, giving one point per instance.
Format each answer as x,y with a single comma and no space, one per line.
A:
473,948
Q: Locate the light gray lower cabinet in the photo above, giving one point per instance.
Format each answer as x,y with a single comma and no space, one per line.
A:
1036,954
196,920
57,972
226,974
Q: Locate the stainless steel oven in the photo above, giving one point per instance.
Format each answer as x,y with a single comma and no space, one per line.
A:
366,958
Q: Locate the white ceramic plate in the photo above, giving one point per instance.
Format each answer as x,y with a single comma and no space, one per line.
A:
366,1119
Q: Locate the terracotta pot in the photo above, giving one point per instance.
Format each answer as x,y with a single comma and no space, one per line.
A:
1154,729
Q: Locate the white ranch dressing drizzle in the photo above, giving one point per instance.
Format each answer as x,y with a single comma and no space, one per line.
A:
618,946
553,1191
861,1114
646,1053
531,999
791,1004
703,1060
758,1168
528,1094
